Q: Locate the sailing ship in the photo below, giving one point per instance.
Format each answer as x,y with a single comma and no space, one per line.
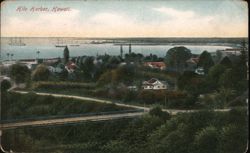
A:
60,43
74,44
16,42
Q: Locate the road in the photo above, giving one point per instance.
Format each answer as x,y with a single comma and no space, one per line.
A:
86,118
171,111
59,121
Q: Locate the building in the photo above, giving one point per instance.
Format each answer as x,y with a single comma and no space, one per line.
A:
132,88
230,51
200,71
55,69
154,84
70,67
155,65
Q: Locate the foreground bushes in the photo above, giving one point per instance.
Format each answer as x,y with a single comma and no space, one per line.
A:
17,106
198,132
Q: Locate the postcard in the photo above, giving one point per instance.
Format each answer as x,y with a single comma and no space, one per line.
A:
123,76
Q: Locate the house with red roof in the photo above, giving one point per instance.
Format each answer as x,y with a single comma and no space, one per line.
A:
70,67
155,65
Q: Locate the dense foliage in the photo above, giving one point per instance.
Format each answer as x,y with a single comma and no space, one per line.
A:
19,73
18,106
205,61
5,85
176,58
206,132
41,73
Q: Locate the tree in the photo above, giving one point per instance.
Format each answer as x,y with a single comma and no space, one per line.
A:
214,75
176,57
228,79
233,139
218,56
157,111
205,61
241,65
113,62
183,80
88,68
63,75
226,62
223,96
5,85
38,52
41,73
206,140
19,73
66,55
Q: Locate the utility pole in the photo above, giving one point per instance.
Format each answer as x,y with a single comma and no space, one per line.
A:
121,51
129,48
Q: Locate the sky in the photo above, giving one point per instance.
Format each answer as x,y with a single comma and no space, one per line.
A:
127,18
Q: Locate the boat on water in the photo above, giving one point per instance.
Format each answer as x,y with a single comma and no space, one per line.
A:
60,43
16,42
74,45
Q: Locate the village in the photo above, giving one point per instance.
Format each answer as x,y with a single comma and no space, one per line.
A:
117,76
127,77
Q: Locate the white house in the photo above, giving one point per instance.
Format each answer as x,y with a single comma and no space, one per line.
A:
200,71
154,84
55,69
132,88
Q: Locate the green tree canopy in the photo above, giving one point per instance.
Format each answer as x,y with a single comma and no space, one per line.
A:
5,85
214,75
233,139
87,66
19,73
206,140
176,57
205,61
226,62
157,111
41,73
228,79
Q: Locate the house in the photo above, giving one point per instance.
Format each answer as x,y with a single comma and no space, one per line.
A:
132,88
230,51
154,84
200,71
70,67
97,61
55,69
155,65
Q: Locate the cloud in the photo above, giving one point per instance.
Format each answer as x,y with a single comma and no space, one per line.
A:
171,23
190,23
175,13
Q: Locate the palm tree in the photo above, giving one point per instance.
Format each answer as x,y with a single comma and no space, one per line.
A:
11,56
38,52
8,55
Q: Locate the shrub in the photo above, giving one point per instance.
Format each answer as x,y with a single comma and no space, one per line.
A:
5,85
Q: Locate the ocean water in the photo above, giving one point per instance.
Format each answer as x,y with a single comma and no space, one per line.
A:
47,48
